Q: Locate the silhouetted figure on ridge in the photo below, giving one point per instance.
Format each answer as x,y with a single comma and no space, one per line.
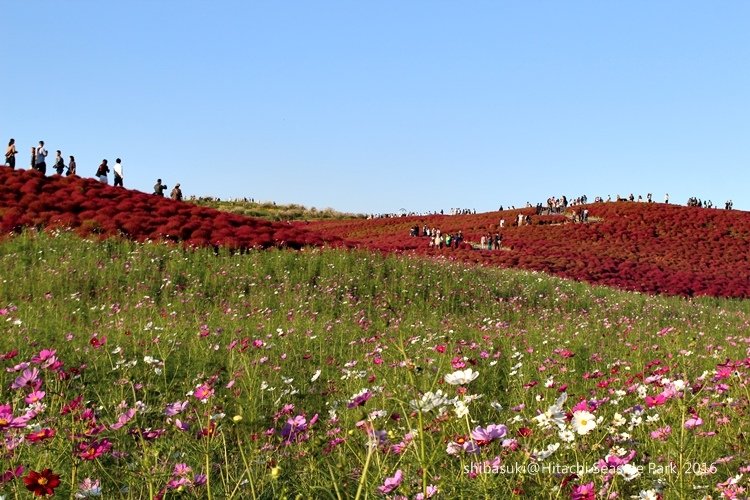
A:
176,193
159,188
10,154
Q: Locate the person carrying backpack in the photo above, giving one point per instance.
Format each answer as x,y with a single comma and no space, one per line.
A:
102,171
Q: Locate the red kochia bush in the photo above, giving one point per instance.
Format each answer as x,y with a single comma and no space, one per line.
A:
653,248
89,207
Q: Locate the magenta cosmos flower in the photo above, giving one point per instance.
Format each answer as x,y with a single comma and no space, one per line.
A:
391,483
359,399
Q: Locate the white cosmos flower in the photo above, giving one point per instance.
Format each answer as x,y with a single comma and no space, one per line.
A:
618,420
461,377
554,414
583,422
647,495
461,409
567,436
315,376
544,454
430,401
628,472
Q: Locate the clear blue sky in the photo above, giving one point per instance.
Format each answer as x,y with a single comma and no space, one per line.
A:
373,106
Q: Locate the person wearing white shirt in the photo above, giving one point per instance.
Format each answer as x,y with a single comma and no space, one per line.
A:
118,173
40,162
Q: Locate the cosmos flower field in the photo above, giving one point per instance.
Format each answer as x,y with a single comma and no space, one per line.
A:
152,370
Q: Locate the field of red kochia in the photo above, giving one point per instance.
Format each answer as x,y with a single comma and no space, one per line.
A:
28,199
652,248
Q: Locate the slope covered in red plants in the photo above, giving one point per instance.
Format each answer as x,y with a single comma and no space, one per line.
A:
646,247
652,248
28,199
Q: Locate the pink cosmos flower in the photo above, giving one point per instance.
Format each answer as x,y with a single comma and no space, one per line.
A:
19,367
46,358
614,461
181,470
7,420
203,392
175,408
391,483
183,426
658,400
41,435
583,492
29,378
431,491
662,433
34,397
179,483
123,419
485,435
359,399
94,449
11,474
294,429
693,422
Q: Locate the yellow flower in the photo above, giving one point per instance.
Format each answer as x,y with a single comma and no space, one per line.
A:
236,418
275,472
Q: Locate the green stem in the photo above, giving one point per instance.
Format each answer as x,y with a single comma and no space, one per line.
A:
370,448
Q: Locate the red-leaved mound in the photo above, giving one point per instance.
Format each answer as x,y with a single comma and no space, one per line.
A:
31,200
648,247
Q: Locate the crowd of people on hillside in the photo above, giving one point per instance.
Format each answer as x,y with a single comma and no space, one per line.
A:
39,163
437,238
694,201
553,205
559,205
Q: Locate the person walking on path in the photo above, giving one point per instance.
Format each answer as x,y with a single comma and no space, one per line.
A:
176,193
59,163
102,171
10,154
71,166
159,188
118,173
40,162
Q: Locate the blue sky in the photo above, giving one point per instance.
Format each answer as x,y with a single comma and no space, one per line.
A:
374,106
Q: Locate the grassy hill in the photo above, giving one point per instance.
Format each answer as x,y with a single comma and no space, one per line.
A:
653,248
163,371
272,211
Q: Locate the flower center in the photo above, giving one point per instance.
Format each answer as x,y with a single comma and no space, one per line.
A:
42,481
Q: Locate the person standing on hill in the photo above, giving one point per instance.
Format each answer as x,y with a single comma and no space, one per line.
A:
159,188
40,162
102,171
176,193
71,166
33,158
118,173
10,154
59,163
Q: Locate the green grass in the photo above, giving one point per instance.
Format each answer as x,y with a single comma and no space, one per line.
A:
364,321
272,211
